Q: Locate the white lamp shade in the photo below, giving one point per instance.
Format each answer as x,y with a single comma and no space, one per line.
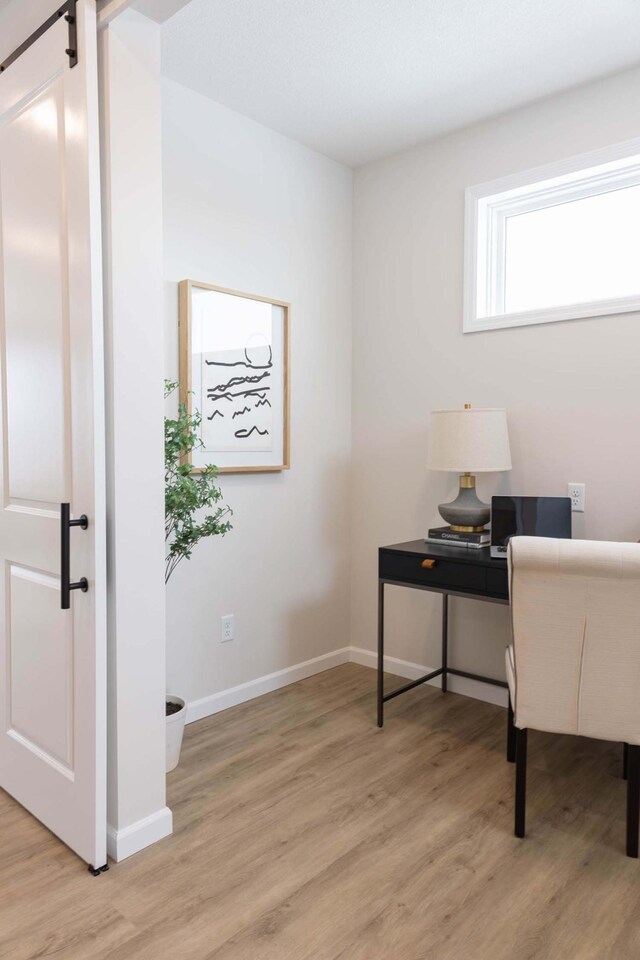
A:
469,441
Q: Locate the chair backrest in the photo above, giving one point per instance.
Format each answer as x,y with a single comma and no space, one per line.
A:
575,608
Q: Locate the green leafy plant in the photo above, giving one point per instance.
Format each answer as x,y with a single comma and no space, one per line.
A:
185,494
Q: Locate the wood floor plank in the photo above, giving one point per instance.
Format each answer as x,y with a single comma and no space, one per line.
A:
302,832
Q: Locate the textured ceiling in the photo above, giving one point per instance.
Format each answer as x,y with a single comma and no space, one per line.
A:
359,79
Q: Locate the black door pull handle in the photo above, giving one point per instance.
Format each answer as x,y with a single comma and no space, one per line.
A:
65,555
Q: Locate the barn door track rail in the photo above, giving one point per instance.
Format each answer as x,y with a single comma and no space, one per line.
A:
68,11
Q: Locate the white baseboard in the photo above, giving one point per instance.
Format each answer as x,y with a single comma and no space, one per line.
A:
411,671
124,843
216,702
207,706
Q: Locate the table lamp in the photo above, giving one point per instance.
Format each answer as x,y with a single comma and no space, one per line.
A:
468,442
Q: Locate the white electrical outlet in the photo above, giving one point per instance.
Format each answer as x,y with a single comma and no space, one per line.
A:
227,628
577,493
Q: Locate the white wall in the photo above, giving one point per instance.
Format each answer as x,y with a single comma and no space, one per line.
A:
132,212
248,209
18,20
571,389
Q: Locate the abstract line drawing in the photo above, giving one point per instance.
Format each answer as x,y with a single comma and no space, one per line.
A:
236,381
246,433
243,363
240,393
249,378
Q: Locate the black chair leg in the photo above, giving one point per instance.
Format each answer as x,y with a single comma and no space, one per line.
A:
511,734
521,781
625,761
633,799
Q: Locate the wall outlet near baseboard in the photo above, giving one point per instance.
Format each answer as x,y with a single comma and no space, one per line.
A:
227,628
577,493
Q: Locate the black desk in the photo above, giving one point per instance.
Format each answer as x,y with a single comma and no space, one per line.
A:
450,571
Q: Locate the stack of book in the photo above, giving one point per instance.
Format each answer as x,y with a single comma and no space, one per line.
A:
457,538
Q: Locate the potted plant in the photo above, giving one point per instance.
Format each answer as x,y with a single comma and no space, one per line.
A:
185,495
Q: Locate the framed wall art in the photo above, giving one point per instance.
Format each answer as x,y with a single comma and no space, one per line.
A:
234,369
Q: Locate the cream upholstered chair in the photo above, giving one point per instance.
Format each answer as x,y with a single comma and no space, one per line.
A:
574,663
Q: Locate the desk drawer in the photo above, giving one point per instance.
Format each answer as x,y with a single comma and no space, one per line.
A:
498,582
443,573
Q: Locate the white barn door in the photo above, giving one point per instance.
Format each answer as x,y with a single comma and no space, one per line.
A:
53,643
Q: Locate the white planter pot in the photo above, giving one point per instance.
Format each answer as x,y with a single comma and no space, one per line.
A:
175,730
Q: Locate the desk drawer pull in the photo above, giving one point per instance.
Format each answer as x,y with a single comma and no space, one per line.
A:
428,564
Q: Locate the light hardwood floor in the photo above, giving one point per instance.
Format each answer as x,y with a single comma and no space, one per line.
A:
302,832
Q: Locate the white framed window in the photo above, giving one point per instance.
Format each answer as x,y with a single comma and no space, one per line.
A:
560,242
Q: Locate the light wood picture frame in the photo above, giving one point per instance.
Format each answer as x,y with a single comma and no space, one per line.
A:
234,369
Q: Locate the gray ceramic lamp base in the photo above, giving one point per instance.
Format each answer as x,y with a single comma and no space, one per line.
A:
466,513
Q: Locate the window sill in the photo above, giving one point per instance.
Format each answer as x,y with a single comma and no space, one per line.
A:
576,311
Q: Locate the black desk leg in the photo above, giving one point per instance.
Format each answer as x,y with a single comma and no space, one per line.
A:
380,652
521,781
511,734
445,639
633,800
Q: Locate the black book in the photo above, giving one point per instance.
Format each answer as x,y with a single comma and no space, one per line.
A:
446,534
